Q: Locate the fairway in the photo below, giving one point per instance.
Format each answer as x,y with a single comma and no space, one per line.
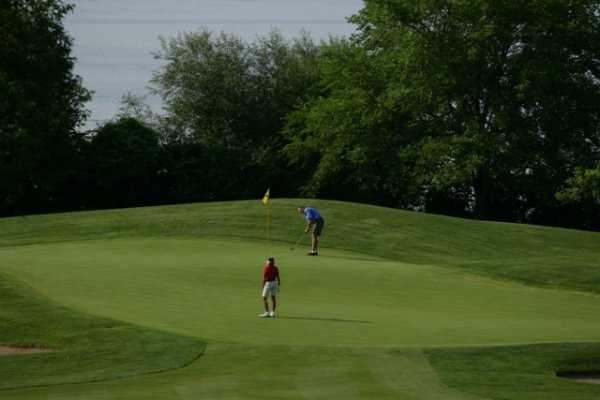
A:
353,322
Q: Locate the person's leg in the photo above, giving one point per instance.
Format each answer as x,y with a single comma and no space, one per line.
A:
265,303
274,301
313,242
316,235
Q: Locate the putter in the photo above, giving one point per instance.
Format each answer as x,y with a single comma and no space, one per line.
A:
297,242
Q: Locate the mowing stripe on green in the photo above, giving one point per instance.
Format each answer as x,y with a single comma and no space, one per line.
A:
86,348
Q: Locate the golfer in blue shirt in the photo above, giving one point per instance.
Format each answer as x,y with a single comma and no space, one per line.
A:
314,225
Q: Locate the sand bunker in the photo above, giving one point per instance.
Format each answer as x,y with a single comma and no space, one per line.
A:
7,350
583,377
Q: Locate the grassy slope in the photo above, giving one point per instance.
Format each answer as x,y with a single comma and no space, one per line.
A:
255,372
541,256
87,348
537,255
520,372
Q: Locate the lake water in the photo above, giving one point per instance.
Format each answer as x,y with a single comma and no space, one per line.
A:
115,39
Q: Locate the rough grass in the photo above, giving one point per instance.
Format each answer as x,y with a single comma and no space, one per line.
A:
518,372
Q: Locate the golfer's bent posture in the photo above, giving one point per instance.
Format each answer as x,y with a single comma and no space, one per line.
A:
314,225
270,287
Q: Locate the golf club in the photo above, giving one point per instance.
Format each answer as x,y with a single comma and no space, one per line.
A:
297,241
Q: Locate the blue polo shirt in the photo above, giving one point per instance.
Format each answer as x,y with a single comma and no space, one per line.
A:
311,213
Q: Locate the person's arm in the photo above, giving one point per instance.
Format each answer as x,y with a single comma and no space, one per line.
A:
309,224
278,278
264,279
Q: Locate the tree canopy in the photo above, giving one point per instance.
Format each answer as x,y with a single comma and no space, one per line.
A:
477,108
490,104
232,97
41,104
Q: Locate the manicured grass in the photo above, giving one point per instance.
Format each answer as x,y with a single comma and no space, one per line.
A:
288,372
86,348
398,305
530,254
521,372
255,372
210,289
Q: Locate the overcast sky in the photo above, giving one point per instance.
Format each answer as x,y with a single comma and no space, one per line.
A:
114,39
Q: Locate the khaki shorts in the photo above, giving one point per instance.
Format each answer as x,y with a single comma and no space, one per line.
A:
270,289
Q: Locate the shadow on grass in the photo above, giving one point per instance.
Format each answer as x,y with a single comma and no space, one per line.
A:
355,258
348,321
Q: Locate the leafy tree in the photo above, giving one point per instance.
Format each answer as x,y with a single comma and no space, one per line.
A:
123,161
135,107
487,106
41,104
205,86
584,186
232,97
581,198
507,92
349,137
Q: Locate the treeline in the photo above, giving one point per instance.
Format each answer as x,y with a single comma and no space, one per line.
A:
220,137
474,108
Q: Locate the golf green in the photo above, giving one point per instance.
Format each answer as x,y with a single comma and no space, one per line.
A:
210,289
351,324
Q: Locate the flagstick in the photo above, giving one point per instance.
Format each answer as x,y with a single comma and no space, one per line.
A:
266,200
269,226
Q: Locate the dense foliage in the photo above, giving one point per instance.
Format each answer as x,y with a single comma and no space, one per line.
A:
477,108
220,138
41,104
228,99
481,108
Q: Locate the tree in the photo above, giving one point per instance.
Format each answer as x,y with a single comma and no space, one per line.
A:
123,162
583,187
494,103
510,88
231,97
581,196
41,104
348,137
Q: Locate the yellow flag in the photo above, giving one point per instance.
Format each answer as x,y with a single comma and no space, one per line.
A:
266,198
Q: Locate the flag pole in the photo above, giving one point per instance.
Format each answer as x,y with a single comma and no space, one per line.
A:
269,225
266,200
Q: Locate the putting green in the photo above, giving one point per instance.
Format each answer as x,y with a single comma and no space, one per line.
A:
209,289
